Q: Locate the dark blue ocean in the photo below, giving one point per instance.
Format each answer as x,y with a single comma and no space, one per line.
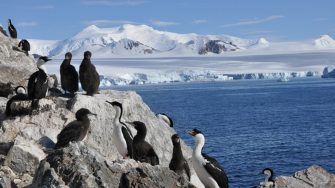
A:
250,125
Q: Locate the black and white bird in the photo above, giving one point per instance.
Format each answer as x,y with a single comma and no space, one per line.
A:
11,29
178,163
24,46
88,75
142,150
20,95
209,170
38,81
165,118
76,130
68,75
122,136
268,182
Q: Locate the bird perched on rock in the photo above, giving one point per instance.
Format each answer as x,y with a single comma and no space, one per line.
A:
165,118
88,75
142,150
268,182
122,136
11,29
76,130
21,95
178,163
68,75
209,171
38,81
24,46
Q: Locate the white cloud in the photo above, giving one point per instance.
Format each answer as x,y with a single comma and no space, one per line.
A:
27,24
114,2
163,23
254,21
109,22
200,21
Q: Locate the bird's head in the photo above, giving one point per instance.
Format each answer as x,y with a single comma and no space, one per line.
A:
87,55
139,126
68,55
268,172
9,21
20,90
175,139
42,60
83,113
198,136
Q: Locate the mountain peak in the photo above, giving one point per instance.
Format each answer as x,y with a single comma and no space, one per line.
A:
324,41
134,27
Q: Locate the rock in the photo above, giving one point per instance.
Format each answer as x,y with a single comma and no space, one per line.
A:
16,67
314,176
24,156
328,72
82,166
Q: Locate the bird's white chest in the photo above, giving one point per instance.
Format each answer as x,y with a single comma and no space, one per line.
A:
119,141
198,165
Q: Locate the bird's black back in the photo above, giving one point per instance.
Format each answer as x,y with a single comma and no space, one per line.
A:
12,31
74,131
69,77
25,45
89,77
214,168
129,140
38,85
144,152
178,163
18,97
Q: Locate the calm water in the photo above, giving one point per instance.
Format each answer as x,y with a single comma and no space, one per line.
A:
250,125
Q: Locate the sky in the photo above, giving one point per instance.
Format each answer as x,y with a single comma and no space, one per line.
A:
276,20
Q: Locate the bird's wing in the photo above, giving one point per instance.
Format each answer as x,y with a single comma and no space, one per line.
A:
187,170
124,125
69,133
214,168
154,160
129,141
31,84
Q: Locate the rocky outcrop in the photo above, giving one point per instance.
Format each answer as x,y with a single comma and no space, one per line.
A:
81,166
313,177
31,137
15,66
328,72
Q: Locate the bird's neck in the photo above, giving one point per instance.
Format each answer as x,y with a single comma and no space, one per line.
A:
140,134
118,115
200,142
268,178
177,152
43,68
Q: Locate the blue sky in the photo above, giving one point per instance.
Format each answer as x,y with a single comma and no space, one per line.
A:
276,20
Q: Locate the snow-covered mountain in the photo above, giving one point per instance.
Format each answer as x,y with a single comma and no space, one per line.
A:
139,40
131,40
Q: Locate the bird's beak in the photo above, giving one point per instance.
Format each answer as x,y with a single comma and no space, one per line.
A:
190,132
109,103
93,114
49,59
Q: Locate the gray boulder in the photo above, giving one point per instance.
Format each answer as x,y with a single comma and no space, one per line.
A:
81,166
313,177
15,66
